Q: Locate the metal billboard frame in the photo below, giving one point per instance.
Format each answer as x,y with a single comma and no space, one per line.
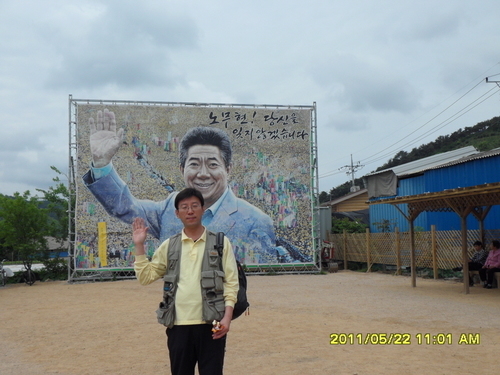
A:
100,274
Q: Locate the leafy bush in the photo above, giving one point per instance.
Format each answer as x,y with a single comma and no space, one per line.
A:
338,226
54,269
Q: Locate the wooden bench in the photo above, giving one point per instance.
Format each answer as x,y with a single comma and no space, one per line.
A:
496,280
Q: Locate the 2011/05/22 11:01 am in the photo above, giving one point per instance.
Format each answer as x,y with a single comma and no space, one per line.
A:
403,339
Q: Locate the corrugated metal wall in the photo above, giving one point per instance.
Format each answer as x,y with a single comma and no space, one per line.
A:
381,212
476,172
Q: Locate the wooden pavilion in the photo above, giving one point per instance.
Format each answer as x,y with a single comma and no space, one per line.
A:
476,200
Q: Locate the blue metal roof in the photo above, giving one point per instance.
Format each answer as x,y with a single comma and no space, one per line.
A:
471,170
434,161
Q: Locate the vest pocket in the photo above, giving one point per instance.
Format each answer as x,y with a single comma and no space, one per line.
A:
213,309
166,311
219,281
207,279
169,284
212,283
166,314
213,279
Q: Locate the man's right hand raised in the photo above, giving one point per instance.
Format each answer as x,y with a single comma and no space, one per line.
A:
105,140
139,234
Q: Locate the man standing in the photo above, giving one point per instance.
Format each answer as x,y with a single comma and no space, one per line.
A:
190,338
205,163
491,265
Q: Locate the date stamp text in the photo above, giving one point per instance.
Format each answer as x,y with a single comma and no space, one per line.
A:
405,339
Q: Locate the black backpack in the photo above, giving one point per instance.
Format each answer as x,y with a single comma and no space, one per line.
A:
241,304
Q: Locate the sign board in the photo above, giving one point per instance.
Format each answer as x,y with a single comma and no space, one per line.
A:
251,163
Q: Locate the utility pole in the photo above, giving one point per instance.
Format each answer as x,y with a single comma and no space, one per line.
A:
351,169
488,81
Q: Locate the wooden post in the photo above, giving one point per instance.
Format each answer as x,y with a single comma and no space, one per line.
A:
368,254
344,240
330,252
434,252
398,251
481,231
465,255
412,256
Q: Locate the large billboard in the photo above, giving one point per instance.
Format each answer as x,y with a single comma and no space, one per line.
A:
251,163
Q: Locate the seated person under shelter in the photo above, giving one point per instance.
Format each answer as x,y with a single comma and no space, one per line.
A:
491,265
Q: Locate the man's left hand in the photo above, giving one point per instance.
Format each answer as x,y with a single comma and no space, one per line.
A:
224,328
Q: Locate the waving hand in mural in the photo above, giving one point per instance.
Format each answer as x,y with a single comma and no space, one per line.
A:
105,140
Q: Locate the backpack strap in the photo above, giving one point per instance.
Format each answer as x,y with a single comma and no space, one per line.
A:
219,244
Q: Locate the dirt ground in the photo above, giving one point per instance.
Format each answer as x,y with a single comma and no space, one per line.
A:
111,328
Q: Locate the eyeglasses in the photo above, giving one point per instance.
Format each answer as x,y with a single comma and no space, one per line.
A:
193,207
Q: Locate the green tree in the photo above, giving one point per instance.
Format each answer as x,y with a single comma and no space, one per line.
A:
323,197
56,199
24,227
345,188
338,226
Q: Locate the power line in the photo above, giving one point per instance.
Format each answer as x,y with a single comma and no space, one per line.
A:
426,123
378,156
331,173
442,124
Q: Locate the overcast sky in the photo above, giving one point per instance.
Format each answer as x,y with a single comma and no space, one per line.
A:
385,75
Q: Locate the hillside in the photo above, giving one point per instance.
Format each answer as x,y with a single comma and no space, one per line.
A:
483,136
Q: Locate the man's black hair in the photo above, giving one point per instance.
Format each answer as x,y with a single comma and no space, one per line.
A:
478,243
188,193
206,135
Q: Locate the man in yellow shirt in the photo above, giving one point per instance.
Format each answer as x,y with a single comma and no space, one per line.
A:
191,339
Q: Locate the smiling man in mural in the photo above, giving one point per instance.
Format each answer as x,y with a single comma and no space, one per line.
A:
205,155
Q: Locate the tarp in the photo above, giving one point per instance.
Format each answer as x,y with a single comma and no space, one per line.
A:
382,185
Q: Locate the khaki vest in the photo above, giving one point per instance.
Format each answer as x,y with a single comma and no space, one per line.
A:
212,282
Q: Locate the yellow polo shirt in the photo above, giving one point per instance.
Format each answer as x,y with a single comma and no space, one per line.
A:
188,300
